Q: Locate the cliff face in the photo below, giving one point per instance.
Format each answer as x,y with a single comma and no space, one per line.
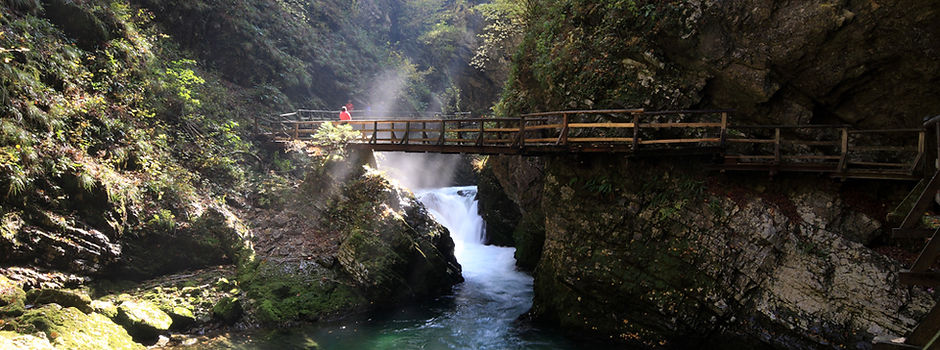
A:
656,254
866,63
349,240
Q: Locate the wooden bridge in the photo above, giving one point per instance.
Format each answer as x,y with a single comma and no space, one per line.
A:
837,150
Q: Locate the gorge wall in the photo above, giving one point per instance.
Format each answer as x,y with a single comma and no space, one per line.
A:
663,253
867,63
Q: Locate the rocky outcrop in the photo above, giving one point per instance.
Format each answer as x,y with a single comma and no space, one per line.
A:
668,254
873,64
520,180
350,241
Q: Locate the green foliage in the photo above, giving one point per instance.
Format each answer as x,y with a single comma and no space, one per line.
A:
182,79
505,23
332,139
598,54
163,220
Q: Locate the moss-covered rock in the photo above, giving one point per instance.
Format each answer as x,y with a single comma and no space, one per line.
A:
64,297
228,310
143,319
104,307
69,328
305,290
12,298
13,340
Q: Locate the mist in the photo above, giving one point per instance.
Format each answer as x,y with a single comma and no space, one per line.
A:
418,171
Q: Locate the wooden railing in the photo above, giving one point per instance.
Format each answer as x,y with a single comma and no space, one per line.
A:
836,149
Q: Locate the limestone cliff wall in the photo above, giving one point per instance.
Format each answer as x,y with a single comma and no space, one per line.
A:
665,254
868,63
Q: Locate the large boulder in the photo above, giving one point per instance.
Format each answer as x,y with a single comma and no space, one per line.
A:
142,319
69,328
392,247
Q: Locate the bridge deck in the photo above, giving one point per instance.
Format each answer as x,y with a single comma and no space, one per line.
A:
837,150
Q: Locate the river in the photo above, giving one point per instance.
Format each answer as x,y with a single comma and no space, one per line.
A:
482,312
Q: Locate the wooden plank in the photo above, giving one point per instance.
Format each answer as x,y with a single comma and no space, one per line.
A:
745,156
891,165
929,254
845,150
927,328
563,138
601,125
812,157
911,233
668,141
884,148
680,125
541,140
885,131
503,130
544,126
600,139
464,130
751,140
636,132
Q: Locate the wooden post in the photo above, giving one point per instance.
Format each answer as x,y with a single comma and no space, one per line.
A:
636,131
459,133
375,131
424,132
480,137
404,139
392,131
843,161
777,146
564,130
296,130
521,132
443,132
724,129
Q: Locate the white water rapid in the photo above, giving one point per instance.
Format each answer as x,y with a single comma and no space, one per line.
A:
494,293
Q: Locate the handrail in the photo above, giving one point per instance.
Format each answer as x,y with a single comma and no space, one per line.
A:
837,149
588,111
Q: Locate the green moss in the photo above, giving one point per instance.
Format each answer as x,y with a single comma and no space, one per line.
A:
106,308
13,340
64,297
69,328
12,298
228,310
143,319
297,294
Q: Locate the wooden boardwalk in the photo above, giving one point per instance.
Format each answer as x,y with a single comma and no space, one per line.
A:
836,150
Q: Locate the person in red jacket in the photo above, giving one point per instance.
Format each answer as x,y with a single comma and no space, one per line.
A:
344,115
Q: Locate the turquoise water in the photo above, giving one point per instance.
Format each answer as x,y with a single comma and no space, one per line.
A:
481,313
